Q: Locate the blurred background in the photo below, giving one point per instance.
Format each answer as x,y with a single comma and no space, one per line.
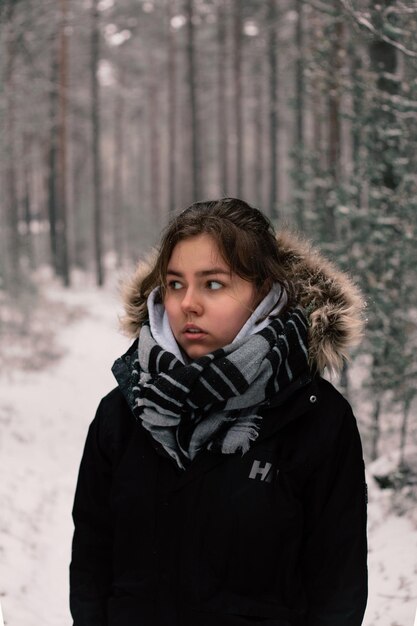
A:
116,114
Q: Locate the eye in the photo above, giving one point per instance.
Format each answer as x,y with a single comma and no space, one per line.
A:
174,285
214,285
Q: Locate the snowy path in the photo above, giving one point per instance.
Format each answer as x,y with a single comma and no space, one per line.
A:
44,417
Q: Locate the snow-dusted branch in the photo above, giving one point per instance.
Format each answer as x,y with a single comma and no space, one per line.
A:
403,8
321,7
365,23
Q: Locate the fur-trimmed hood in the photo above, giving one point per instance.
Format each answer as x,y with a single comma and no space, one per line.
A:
333,303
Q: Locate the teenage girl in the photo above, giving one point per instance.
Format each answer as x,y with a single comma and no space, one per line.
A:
222,481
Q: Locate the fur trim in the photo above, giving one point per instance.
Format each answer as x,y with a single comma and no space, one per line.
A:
130,323
334,304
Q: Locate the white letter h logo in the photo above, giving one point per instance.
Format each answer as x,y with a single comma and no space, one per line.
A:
263,472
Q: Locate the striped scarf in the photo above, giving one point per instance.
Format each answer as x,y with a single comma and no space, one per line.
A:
214,402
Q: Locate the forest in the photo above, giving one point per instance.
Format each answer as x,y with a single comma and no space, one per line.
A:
116,114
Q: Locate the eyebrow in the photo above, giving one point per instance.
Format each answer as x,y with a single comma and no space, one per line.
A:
214,270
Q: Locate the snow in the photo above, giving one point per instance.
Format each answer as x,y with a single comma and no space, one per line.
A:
44,416
392,563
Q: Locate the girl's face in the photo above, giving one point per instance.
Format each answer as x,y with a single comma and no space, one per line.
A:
205,302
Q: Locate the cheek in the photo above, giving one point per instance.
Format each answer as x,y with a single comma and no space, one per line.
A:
235,317
241,318
170,307
245,302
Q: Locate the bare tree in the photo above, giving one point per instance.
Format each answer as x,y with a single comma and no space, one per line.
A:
118,196
27,198
260,117
238,94
299,115
382,151
53,157
96,153
155,147
172,108
273,106
12,261
334,117
62,233
192,91
222,110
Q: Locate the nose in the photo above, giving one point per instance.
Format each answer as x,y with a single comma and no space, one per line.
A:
191,302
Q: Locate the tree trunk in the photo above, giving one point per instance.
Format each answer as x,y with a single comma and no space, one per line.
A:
333,102
238,95
196,188
141,161
318,165
172,111
334,123
81,241
404,429
53,160
357,106
62,232
222,110
154,132
12,261
383,58
273,108
299,178
118,210
96,152
27,199
259,123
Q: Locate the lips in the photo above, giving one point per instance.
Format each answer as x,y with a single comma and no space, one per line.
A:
191,331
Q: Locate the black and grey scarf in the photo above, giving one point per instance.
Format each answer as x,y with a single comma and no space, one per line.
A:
214,402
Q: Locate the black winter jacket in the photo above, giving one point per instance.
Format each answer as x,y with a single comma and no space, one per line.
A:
276,537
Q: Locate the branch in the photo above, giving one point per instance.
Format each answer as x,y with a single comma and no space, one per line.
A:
362,21
402,8
321,7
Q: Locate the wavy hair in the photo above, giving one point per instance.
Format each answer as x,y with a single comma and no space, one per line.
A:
245,238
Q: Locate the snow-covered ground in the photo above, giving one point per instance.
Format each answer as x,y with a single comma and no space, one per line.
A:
44,415
392,565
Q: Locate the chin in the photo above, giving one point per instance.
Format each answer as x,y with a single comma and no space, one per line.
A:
195,352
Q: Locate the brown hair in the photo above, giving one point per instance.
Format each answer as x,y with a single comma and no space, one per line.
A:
244,235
